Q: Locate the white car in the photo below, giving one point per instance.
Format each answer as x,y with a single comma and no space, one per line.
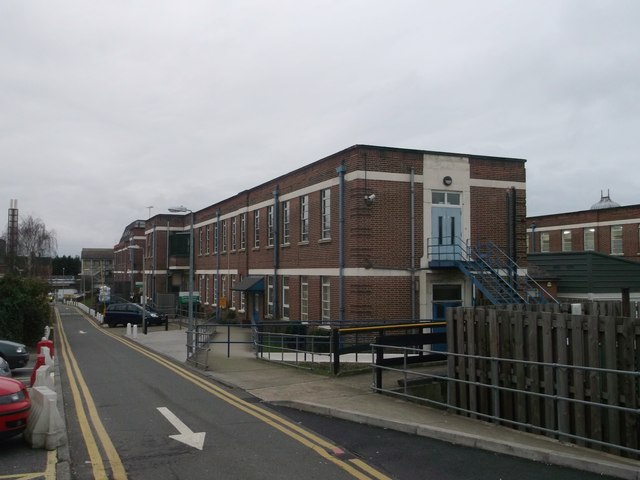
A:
5,371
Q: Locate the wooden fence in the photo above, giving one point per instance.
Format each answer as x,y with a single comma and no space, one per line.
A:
520,366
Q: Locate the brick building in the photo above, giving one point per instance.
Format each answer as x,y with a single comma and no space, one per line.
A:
591,253
351,236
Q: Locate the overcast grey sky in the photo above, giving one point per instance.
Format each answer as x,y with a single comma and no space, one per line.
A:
108,107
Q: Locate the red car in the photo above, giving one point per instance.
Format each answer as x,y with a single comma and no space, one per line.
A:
15,406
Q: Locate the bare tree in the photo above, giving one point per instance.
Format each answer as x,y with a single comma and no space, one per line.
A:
35,241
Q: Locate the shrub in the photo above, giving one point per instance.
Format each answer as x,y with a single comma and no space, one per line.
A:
24,309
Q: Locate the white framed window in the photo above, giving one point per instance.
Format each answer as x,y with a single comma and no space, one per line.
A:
200,240
589,239
206,289
326,299
207,239
270,295
304,218
616,240
216,237
304,299
325,214
215,290
243,301
201,286
224,236
286,225
445,198
232,293
270,226
544,242
566,240
285,298
223,287
234,233
243,231
256,229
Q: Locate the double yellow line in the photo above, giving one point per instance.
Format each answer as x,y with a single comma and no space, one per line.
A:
327,450
90,424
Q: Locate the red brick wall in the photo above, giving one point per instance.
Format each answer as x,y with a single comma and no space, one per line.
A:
376,236
629,214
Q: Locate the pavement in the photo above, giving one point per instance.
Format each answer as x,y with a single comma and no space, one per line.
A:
351,398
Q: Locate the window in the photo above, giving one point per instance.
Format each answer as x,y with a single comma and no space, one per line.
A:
326,300
270,229
566,240
445,198
243,231
325,214
589,239
304,218
270,296
207,239
223,287
304,299
616,240
215,289
224,236
285,298
234,235
286,226
544,242
256,229
200,238
232,293
216,237
201,286
242,300
206,289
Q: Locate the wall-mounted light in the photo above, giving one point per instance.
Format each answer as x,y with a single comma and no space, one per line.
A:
368,199
447,180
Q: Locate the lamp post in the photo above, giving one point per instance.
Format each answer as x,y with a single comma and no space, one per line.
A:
183,209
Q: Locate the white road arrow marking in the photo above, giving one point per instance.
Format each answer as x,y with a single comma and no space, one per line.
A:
186,436
82,332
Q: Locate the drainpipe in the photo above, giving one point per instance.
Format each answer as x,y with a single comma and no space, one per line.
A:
341,171
276,249
413,246
218,264
167,286
153,263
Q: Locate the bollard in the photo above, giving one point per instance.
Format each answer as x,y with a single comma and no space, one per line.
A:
40,361
44,377
135,331
48,359
45,343
128,330
45,427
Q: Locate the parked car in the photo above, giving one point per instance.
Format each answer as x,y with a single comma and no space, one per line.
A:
123,313
5,371
15,406
14,353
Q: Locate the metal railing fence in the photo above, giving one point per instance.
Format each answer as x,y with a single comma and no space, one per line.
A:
198,353
558,404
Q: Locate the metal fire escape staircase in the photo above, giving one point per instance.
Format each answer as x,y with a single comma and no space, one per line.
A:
492,271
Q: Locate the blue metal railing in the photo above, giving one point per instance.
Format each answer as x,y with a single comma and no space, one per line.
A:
492,271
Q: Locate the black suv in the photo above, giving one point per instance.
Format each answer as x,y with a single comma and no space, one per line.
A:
123,313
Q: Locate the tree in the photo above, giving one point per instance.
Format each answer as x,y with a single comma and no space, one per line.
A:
24,309
35,241
66,265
